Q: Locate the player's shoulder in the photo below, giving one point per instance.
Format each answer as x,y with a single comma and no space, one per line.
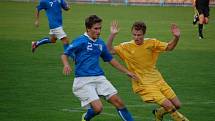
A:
127,43
43,1
150,40
80,38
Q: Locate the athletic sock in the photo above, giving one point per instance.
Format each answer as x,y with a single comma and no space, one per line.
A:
200,30
177,116
43,41
161,111
90,114
124,114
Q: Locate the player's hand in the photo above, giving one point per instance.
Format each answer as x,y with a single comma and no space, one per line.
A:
175,30
67,69
114,28
133,76
36,23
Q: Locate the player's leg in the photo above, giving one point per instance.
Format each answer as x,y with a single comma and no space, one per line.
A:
174,113
121,109
171,103
106,89
63,37
176,102
95,109
151,94
45,40
206,20
52,39
87,94
65,41
200,26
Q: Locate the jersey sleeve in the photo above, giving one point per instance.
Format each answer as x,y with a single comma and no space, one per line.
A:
119,49
105,55
159,46
42,5
72,47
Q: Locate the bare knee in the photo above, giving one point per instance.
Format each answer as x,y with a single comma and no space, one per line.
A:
97,106
53,39
176,102
177,106
167,104
97,109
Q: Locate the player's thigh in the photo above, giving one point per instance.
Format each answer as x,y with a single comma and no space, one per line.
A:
152,94
58,32
86,92
167,91
105,88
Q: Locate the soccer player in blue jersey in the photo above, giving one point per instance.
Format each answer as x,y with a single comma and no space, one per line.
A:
90,82
53,10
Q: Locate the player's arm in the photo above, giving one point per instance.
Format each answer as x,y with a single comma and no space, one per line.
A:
66,69
37,17
121,68
114,29
176,35
194,3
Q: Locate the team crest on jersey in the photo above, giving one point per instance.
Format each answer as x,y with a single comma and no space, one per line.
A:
100,47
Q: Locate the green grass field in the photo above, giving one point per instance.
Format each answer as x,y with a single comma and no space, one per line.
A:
33,88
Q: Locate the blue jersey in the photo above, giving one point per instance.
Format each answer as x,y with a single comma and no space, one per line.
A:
53,11
86,54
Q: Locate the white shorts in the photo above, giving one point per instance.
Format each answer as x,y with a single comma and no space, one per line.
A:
58,32
88,89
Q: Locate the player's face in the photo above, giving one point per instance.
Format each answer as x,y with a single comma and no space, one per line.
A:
138,36
95,31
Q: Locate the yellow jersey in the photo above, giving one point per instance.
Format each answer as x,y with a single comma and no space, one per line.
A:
141,60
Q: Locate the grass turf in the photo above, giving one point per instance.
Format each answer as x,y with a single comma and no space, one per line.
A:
32,87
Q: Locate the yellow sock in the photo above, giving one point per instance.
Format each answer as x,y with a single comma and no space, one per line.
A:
178,116
161,111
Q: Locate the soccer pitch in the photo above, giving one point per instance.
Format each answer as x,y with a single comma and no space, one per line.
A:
33,88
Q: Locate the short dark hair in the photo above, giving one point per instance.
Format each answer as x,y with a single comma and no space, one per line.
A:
91,20
139,25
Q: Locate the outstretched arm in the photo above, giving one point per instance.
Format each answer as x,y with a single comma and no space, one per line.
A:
37,17
121,68
67,69
176,35
114,29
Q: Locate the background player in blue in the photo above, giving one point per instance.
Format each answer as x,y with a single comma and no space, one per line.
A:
90,82
53,10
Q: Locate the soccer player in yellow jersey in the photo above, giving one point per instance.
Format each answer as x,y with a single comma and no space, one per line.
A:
140,56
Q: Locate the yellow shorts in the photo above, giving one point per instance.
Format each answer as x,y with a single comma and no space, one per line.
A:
156,92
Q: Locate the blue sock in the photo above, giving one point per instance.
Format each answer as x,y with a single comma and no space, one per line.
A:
124,114
43,41
90,114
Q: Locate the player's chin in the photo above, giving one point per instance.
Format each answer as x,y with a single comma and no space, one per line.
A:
138,42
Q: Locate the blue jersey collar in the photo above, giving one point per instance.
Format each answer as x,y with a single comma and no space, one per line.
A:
85,34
